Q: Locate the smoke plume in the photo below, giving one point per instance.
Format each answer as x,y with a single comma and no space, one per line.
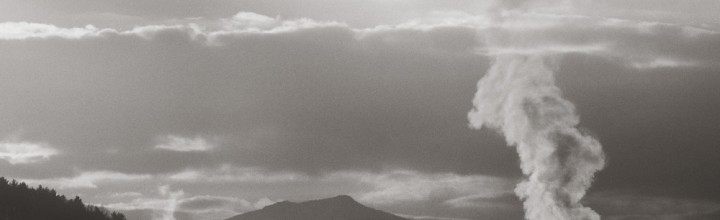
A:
518,97
168,212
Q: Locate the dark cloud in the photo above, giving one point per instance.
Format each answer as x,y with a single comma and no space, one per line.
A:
313,99
657,127
309,100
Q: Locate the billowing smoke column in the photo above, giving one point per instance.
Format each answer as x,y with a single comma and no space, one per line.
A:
519,98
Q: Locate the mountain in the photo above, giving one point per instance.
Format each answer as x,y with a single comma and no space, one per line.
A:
18,201
337,208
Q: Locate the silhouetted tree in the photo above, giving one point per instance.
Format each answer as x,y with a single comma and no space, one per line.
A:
18,201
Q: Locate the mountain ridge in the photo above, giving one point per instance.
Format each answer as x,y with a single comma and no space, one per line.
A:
342,207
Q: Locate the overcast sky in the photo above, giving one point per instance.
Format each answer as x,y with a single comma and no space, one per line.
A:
213,108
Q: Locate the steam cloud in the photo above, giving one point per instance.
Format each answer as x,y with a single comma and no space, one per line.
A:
518,97
168,213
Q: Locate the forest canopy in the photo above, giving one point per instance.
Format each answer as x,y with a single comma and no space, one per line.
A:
18,201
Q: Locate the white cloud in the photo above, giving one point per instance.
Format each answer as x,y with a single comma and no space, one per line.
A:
163,206
25,152
207,204
171,203
183,144
89,179
546,49
384,189
125,194
166,203
503,201
228,173
24,30
249,20
150,31
159,203
424,217
261,203
533,31
410,186
661,63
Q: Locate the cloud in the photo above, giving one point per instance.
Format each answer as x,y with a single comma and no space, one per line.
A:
261,203
169,82
250,20
534,32
380,189
349,11
182,144
629,40
501,201
390,190
545,49
162,207
229,173
168,204
89,179
661,63
126,194
25,152
422,217
171,203
207,204
403,186
25,30
172,83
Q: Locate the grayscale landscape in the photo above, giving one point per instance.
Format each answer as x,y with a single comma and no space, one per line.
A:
359,110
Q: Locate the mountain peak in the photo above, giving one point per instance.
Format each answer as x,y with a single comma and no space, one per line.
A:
342,207
343,199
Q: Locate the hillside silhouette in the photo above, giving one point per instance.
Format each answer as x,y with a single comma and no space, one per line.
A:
337,208
20,202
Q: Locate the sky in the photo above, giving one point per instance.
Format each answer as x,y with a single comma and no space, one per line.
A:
198,110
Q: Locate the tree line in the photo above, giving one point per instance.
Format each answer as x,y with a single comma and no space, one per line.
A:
18,201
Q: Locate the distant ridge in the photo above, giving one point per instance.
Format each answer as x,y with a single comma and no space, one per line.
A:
336,208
